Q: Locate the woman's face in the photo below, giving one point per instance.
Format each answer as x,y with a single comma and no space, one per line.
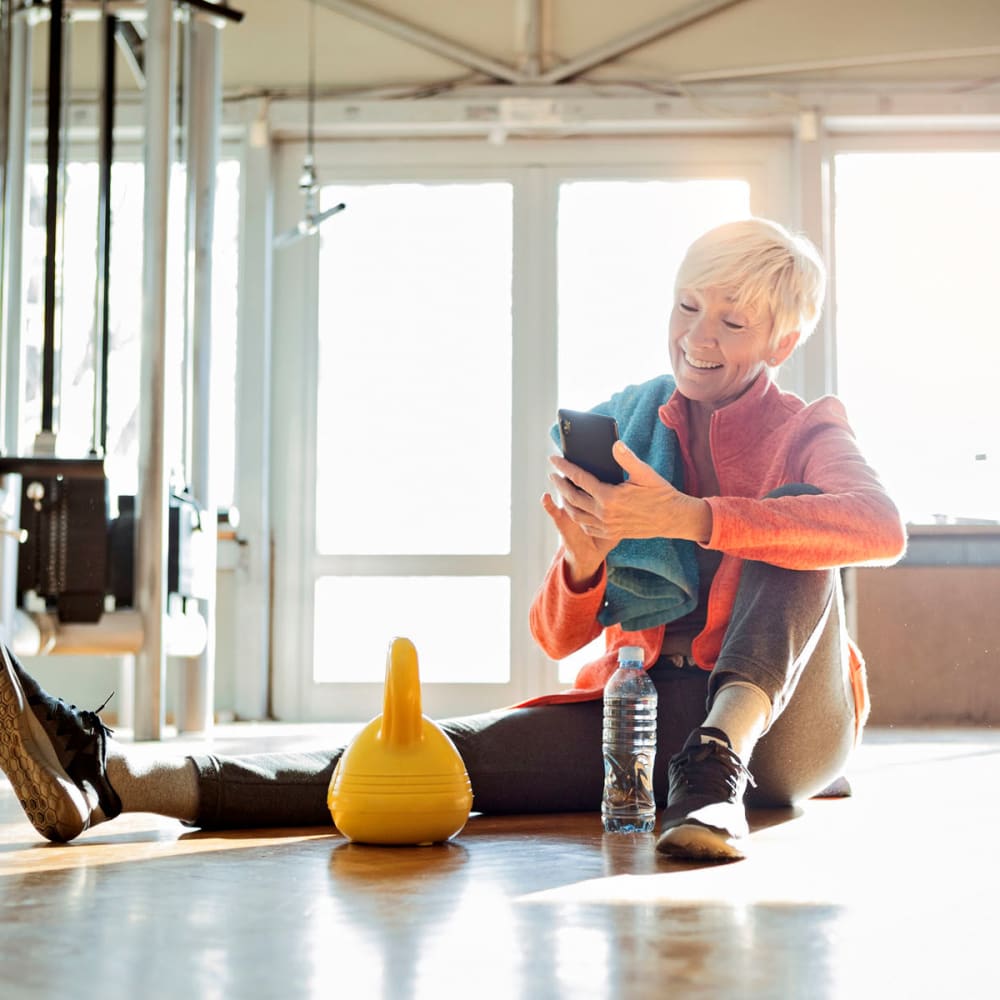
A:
717,350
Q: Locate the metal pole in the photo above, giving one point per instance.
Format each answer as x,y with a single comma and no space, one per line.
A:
4,126
53,161
19,123
531,16
9,499
204,102
151,519
252,639
102,299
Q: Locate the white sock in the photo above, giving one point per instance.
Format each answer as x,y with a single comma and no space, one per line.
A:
743,712
168,786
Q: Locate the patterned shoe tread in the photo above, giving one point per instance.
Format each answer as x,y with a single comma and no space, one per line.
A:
54,805
700,843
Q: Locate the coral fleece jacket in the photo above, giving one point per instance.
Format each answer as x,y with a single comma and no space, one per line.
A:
765,439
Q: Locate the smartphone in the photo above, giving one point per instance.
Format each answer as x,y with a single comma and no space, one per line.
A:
586,439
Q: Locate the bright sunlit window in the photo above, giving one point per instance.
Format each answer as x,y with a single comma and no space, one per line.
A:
415,290
413,455
918,341
475,648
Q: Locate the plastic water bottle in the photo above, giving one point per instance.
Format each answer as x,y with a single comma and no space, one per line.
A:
629,746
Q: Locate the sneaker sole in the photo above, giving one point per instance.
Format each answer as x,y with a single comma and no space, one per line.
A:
49,797
700,843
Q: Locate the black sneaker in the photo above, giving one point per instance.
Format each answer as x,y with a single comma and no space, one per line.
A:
705,818
54,756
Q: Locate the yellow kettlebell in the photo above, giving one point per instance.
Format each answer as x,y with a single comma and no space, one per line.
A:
401,780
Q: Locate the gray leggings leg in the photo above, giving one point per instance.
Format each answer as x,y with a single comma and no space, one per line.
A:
786,636
523,760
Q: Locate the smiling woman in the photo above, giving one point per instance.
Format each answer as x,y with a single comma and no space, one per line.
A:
730,322
778,498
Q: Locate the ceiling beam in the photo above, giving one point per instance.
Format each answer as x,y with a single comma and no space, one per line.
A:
844,62
424,39
665,25
530,29
132,43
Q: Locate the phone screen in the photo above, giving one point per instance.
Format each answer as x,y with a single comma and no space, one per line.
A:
586,439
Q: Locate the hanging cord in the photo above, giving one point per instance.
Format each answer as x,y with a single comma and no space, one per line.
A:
311,109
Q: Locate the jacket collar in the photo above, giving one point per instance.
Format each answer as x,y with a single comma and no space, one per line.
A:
762,391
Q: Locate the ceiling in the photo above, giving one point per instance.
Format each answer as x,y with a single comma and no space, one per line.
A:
394,48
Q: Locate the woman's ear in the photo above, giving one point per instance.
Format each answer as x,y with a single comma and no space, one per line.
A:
782,350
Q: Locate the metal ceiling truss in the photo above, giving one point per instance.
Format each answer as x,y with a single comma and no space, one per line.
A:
532,14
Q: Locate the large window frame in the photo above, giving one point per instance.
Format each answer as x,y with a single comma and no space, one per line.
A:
853,138
535,169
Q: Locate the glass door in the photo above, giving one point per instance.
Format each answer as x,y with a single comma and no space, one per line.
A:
413,459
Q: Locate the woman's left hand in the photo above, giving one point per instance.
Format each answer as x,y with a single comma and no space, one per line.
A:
646,506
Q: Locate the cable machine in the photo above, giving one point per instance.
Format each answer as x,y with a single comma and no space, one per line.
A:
74,578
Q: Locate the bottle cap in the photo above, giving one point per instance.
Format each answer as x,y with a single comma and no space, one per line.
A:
630,654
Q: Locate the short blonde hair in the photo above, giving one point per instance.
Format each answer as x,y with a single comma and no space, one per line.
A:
759,263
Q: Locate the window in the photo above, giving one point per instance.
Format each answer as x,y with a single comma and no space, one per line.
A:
415,286
413,428
918,342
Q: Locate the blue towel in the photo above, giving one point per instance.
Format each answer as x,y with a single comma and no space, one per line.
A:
651,581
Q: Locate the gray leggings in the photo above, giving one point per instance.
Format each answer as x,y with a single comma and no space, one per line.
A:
786,636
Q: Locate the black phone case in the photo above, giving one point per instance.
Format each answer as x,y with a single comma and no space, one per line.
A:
586,440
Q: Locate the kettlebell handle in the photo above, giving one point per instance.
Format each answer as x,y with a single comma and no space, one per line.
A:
402,711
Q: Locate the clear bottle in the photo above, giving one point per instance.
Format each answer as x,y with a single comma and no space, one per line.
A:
629,746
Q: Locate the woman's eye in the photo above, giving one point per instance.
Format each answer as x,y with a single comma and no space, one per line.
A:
733,326
688,307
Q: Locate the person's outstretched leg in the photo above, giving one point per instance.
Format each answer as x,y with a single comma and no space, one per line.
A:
70,775
542,759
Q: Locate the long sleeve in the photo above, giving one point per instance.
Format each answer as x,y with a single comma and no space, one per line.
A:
561,620
852,522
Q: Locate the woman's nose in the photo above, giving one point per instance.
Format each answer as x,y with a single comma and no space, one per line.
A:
698,331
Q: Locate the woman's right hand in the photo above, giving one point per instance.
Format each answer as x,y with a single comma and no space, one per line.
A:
584,554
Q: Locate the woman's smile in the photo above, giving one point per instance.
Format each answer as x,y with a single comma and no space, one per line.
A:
702,365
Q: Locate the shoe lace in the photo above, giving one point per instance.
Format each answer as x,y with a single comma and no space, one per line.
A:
69,717
711,770
94,720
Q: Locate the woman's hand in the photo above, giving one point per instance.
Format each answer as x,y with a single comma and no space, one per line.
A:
584,553
646,506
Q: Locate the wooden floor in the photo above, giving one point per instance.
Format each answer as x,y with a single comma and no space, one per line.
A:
892,893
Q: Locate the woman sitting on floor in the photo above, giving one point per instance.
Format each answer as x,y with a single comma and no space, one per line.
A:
755,671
